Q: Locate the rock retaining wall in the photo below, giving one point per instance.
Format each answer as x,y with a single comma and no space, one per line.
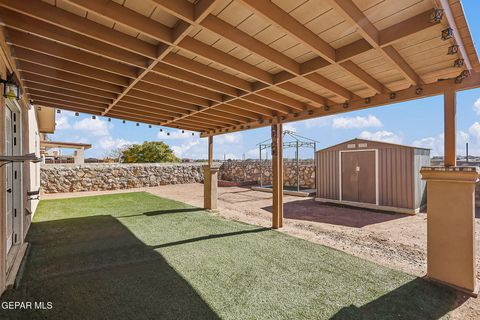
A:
249,170
57,178
94,177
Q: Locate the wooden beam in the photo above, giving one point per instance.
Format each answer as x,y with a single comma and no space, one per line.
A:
407,28
283,99
68,66
277,175
197,78
31,42
51,89
272,12
67,76
60,84
126,17
54,97
369,32
302,92
142,96
450,119
411,93
456,35
363,76
262,102
61,18
248,42
244,105
181,86
218,56
210,151
209,72
332,86
47,31
69,107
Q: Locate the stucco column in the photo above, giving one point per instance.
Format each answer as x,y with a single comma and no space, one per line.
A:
451,226
78,157
210,186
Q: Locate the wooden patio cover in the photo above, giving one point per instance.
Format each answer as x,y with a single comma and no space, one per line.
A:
217,66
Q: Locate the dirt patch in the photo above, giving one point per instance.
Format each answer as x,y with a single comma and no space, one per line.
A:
394,240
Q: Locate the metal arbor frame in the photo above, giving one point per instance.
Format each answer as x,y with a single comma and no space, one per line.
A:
299,142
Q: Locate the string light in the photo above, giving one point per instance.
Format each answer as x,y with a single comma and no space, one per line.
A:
59,111
94,117
109,119
447,33
161,130
138,124
150,126
77,114
183,131
123,121
168,133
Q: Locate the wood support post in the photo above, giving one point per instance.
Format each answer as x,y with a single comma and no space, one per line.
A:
277,175
210,151
210,183
450,153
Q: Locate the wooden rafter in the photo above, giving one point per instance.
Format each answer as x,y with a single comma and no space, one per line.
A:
93,65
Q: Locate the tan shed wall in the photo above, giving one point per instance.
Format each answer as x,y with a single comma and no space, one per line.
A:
397,173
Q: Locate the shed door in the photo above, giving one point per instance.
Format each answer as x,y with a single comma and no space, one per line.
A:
358,176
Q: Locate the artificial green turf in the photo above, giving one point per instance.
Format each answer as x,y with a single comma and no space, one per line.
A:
137,256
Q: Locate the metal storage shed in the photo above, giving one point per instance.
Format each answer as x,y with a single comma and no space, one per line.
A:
372,174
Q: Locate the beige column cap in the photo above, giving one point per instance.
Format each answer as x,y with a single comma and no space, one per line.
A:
458,174
214,167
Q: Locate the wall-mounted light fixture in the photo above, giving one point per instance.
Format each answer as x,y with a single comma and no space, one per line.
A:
11,90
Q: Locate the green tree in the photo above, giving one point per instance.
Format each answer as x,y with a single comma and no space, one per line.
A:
148,152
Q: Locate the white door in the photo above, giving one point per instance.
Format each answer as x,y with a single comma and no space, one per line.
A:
9,178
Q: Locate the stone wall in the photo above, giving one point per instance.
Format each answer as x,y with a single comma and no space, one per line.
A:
57,178
249,170
94,177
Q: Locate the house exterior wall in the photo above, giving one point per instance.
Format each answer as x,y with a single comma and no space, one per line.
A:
29,172
399,181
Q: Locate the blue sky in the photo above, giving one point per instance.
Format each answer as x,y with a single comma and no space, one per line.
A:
418,122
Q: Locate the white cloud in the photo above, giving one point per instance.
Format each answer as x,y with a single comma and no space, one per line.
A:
318,122
385,136
289,127
109,143
229,138
474,130
357,122
476,106
95,127
62,123
190,149
436,143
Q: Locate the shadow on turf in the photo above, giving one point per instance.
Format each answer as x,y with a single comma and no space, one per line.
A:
95,268
209,237
416,298
161,212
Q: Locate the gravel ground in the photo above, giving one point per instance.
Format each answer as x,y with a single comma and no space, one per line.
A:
394,240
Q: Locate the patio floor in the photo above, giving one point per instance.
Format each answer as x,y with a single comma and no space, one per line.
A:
135,255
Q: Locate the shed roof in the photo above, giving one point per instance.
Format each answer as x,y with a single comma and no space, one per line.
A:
219,66
356,140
